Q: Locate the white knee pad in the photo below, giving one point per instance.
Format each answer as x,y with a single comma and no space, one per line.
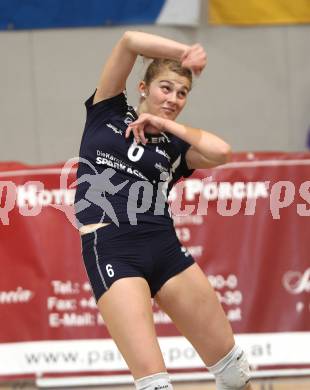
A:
160,381
232,372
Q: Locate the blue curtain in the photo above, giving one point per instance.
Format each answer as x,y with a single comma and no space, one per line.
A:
34,14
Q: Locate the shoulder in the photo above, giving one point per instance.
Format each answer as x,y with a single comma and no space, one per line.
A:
180,164
116,103
181,146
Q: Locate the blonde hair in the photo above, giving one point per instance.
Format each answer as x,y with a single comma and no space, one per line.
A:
160,64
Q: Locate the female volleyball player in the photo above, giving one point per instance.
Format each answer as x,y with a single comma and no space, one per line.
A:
129,162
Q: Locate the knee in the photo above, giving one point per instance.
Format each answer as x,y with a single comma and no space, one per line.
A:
232,372
160,381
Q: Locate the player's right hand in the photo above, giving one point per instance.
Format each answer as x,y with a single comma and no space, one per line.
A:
195,59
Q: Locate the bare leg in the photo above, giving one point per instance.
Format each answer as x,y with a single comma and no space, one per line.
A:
127,311
191,302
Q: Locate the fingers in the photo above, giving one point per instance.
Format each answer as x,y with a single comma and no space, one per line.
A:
142,136
138,133
146,123
185,54
194,58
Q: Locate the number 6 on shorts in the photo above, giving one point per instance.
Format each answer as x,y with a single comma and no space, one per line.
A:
109,270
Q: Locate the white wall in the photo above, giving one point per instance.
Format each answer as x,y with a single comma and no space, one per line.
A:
255,92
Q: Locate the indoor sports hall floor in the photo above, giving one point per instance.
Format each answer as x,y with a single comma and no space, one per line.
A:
261,384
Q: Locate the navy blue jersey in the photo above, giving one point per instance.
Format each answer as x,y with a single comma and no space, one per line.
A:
118,179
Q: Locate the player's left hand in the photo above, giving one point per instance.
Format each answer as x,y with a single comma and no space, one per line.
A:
146,123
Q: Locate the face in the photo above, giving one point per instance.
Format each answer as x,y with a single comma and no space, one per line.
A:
166,95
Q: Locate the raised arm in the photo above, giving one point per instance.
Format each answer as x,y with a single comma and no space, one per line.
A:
121,61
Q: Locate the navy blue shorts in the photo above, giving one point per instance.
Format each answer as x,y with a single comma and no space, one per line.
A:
146,250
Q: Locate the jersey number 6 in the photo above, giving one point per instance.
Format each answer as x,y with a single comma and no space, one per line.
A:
109,270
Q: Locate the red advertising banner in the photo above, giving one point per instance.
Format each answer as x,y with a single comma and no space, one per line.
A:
246,223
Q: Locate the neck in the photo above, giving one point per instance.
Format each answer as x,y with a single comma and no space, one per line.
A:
141,107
